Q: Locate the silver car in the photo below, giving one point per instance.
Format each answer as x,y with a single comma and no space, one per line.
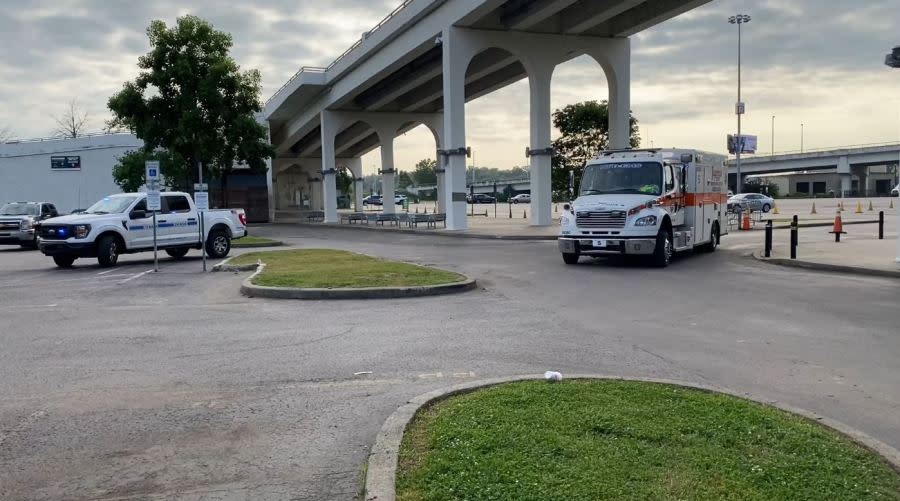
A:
521,198
752,201
18,220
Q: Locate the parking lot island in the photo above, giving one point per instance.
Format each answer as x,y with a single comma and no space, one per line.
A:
595,437
336,274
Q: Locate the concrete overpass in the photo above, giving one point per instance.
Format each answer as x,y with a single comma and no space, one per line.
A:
846,162
421,64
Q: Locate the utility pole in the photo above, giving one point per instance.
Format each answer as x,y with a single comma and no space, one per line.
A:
739,107
801,137
773,135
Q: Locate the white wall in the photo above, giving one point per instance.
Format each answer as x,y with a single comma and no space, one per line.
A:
25,173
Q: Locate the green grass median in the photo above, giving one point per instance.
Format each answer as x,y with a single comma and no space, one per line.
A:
606,439
327,268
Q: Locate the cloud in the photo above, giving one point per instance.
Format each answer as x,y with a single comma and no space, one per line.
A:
814,61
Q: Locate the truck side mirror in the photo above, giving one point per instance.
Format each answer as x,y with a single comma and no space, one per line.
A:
137,214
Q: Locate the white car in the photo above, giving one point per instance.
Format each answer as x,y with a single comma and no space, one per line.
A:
121,224
523,198
752,201
896,191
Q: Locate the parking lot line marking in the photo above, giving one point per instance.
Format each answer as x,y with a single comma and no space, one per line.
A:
107,271
139,275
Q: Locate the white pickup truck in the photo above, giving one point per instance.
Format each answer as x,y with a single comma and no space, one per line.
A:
121,224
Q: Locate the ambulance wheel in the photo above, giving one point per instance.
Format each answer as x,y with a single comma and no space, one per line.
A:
570,257
714,238
662,254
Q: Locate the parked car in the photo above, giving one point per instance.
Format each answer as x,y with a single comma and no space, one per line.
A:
480,198
17,221
373,200
399,199
896,191
751,201
521,198
121,224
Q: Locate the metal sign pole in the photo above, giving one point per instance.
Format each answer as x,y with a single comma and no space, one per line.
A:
202,229
155,257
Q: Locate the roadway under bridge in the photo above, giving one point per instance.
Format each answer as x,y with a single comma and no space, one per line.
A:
420,65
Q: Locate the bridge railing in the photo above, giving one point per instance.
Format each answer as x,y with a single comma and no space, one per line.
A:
820,150
319,69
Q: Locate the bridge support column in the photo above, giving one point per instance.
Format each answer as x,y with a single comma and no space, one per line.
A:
614,55
387,172
355,166
329,168
439,192
540,150
456,53
843,169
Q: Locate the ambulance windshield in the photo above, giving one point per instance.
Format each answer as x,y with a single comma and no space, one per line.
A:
644,178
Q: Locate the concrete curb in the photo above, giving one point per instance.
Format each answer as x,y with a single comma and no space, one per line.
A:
382,465
224,266
834,268
475,236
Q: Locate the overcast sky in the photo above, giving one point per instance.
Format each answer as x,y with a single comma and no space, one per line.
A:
817,62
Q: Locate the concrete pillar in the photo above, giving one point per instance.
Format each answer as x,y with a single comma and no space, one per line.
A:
541,196
843,169
456,61
441,200
387,173
329,184
355,166
618,74
270,180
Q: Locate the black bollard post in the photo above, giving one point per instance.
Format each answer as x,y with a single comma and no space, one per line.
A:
794,238
880,225
769,238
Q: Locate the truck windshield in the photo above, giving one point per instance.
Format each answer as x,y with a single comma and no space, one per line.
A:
643,178
111,205
20,210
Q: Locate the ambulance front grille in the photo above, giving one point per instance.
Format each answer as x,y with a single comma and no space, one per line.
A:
602,219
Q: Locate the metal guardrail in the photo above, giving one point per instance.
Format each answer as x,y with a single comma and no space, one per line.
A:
319,69
819,150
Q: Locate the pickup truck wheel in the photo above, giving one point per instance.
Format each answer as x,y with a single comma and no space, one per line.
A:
178,253
108,251
662,254
570,257
64,261
218,244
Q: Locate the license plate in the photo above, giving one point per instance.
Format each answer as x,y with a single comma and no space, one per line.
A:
599,243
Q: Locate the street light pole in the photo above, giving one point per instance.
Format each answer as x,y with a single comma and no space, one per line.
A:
773,135
801,138
892,60
739,107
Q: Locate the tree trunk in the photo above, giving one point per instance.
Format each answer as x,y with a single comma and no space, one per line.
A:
225,190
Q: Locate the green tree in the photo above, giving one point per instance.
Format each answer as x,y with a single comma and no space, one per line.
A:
129,172
404,180
424,174
584,129
192,99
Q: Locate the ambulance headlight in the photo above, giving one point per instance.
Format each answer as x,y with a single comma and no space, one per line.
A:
646,221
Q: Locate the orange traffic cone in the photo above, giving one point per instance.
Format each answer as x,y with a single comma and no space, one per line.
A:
871,206
892,204
813,211
841,206
838,227
745,223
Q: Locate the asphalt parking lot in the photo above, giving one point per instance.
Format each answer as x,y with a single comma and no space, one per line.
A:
127,384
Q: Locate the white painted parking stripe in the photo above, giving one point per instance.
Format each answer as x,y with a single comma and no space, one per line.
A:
107,271
139,275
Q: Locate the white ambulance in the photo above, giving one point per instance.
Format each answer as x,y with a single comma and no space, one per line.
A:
653,202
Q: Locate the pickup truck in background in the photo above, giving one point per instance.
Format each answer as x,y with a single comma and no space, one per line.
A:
18,219
121,224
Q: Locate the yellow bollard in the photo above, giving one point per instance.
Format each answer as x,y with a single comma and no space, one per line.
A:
813,211
871,207
859,208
